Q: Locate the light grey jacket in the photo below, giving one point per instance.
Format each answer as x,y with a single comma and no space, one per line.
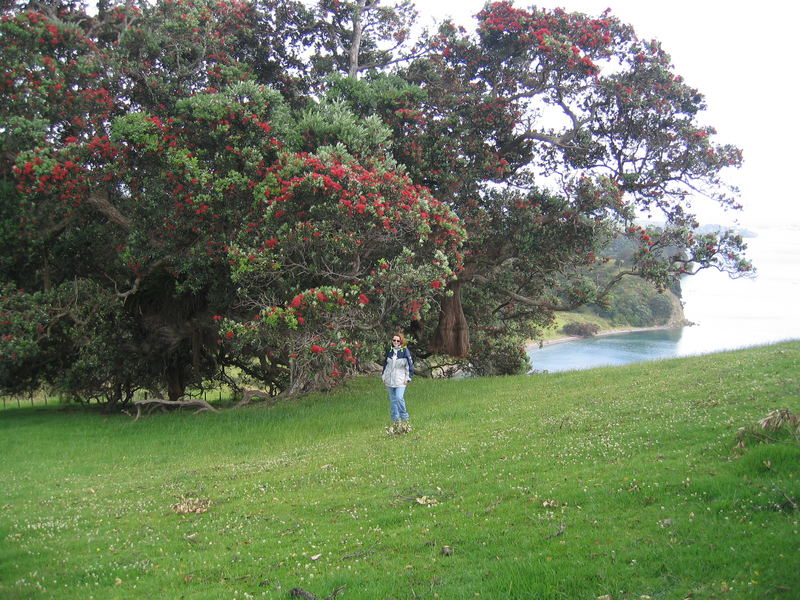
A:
398,369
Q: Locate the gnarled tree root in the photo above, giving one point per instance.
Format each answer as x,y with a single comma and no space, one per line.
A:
150,404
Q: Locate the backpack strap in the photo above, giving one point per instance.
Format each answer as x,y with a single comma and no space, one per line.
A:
410,361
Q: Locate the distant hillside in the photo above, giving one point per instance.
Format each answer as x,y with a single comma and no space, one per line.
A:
634,303
708,228
716,228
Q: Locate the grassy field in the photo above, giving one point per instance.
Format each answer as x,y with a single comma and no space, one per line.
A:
613,483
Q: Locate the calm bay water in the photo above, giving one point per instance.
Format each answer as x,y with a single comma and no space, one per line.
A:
728,314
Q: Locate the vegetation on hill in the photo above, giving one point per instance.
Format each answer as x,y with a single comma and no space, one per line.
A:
673,479
633,303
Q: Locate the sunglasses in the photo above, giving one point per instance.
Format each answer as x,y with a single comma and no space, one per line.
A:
395,340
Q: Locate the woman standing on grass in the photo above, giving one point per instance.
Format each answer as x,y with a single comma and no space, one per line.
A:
398,369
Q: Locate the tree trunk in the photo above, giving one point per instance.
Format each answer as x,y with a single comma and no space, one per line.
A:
196,347
355,40
452,333
176,386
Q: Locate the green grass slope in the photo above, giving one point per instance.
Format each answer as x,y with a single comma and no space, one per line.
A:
611,483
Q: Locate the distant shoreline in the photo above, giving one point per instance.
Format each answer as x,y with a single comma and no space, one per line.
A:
571,338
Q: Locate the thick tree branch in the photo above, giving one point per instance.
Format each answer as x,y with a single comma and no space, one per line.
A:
561,141
549,305
396,61
100,201
546,305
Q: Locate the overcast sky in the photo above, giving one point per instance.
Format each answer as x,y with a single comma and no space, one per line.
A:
742,56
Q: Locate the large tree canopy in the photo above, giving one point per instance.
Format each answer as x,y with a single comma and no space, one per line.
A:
190,187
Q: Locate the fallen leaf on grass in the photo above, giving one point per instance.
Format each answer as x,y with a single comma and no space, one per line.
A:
301,593
191,506
777,418
426,501
561,529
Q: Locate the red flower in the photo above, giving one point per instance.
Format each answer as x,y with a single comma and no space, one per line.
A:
217,317
436,285
229,334
362,298
317,349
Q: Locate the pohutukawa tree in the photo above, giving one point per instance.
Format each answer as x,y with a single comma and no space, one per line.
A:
336,250
176,201
166,214
549,133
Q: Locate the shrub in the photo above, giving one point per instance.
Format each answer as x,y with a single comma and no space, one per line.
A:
581,329
497,356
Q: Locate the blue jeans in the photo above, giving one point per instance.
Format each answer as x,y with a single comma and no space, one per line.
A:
397,405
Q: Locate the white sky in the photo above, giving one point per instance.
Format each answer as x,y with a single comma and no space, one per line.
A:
742,56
